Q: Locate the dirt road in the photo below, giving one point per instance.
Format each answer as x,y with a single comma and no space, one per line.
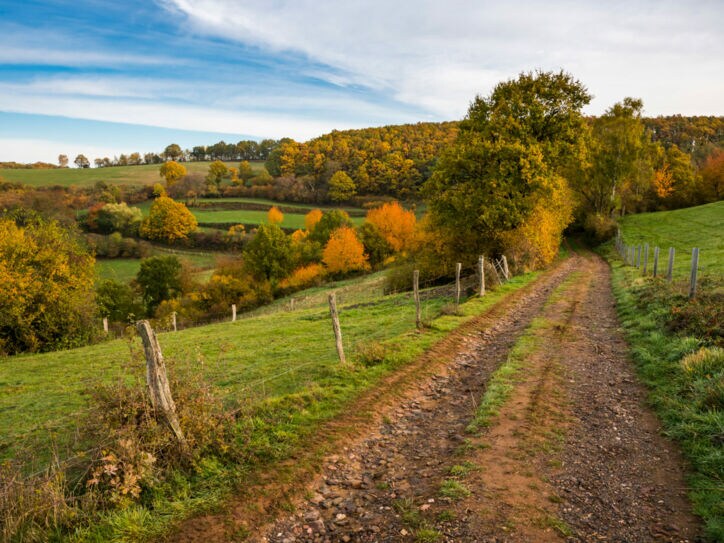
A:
573,454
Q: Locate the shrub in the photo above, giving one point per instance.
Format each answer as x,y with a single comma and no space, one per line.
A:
599,227
371,353
168,221
344,253
304,277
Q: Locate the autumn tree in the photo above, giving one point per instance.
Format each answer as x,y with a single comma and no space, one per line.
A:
172,171
172,152
168,220
63,161
245,172
713,177
330,221
311,219
275,216
269,254
121,218
118,301
376,246
395,224
344,252
46,299
509,157
341,187
81,161
217,173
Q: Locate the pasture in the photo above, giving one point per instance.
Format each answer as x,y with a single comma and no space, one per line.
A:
146,174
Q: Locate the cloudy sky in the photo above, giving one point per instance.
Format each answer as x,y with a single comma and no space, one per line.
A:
105,77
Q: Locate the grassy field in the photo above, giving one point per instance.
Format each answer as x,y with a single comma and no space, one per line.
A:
674,343
125,269
119,175
683,229
244,216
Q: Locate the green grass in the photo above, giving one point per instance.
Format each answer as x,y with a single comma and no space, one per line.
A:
126,269
454,490
282,368
242,216
683,229
690,406
120,175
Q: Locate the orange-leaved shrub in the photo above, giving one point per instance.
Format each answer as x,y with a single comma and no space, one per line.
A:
344,252
275,216
395,224
303,277
311,219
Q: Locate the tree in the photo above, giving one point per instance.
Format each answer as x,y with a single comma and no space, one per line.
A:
395,224
117,301
118,218
274,216
341,187
159,279
81,161
246,172
330,221
172,171
269,254
47,276
63,161
713,177
168,221
376,246
618,147
311,219
217,172
344,252
510,153
173,152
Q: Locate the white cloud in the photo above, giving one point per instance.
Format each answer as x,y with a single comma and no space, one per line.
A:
438,55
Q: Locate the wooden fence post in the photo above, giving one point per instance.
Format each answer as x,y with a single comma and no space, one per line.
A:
638,256
173,321
458,268
481,271
335,326
670,269
157,381
291,304
694,268
416,293
646,257
656,261
506,272
233,312
105,325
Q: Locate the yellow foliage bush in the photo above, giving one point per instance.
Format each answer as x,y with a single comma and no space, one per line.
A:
168,220
275,216
395,224
311,219
344,252
303,277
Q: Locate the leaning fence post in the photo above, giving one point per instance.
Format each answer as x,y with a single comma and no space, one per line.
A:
105,325
233,312
646,257
481,271
656,261
335,326
157,381
670,269
416,292
458,268
694,267
506,272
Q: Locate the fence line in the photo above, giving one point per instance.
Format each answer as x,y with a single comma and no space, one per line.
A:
627,252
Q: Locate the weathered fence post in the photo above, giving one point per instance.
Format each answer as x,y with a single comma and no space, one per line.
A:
335,326
481,271
233,312
291,304
638,256
670,269
656,261
458,268
694,268
646,257
105,325
506,272
416,293
173,321
157,381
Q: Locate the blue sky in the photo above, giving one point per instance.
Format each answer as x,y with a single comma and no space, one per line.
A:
105,77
